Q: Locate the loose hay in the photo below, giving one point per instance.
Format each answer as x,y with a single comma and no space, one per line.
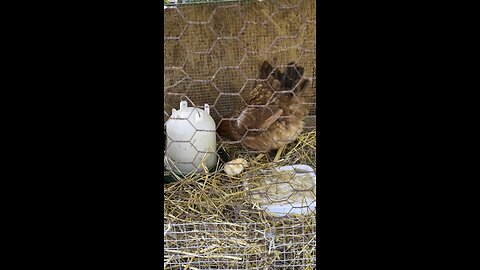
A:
211,221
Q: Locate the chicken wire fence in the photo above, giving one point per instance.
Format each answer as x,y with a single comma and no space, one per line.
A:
212,51
262,217
239,246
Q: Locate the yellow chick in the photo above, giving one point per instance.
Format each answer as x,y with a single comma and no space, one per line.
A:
235,166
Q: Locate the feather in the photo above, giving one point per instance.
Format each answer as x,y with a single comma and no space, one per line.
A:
275,113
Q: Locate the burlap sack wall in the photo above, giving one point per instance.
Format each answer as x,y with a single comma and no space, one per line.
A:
213,51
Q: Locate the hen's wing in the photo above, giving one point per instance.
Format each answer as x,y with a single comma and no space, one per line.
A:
256,116
254,119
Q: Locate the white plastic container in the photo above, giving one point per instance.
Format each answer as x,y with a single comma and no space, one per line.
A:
279,198
191,138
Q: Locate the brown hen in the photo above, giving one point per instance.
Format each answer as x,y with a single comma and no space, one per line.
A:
275,111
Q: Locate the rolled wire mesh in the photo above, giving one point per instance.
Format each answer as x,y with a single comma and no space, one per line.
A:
212,55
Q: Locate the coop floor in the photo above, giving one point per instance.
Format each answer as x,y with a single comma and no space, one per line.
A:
211,223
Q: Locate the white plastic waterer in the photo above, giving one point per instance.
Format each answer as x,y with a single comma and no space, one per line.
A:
191,138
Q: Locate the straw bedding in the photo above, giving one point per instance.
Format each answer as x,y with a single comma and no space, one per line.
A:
212,222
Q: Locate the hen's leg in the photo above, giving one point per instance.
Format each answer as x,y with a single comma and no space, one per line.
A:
279,153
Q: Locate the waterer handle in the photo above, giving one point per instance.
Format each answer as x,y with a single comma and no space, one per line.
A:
183,105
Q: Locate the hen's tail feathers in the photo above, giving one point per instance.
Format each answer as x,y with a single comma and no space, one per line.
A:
265,69
301,86
293,79
278,75
293,74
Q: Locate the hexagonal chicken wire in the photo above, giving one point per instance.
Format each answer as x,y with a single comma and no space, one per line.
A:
262,218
